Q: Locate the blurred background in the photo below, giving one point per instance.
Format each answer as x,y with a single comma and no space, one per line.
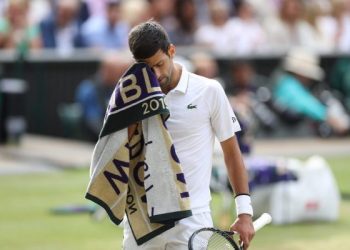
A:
284,64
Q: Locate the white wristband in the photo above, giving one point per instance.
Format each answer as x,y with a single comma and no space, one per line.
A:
243,205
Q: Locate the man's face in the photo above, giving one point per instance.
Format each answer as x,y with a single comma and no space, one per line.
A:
162,65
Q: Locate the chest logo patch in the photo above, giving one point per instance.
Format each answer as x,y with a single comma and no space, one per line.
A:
191,106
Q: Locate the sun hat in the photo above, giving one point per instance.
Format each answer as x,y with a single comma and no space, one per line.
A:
303,62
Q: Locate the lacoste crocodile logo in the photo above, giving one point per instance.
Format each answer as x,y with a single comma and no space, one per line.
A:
190,106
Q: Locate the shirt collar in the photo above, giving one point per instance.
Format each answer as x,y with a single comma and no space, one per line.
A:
183,82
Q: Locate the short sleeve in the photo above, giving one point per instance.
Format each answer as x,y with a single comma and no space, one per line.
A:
223,120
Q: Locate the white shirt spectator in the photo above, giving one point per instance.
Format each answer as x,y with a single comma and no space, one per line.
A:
265,8
343,43
215,37
246,36
64,38
337,40
216,33
281,37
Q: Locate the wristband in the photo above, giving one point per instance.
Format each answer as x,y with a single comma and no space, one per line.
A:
243,204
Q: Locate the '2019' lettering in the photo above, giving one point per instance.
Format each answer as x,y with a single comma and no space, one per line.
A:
153,105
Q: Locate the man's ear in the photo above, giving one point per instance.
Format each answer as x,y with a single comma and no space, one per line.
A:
171,50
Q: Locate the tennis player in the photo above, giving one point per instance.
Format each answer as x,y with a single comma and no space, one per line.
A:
199,111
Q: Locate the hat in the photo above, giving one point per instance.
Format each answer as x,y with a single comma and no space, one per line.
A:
303,62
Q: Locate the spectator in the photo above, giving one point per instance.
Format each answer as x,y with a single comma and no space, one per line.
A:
215,34
293,90
288,28
340,26
61,30
320,22
162,11
250,99
243,78
186,23
107,33
246,34
96,8
205,65
3,5
340,80
15,29
265,8
136,11
240,90
93,94
202,7
38,10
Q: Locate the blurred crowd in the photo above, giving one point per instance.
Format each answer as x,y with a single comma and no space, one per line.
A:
237,27
297,31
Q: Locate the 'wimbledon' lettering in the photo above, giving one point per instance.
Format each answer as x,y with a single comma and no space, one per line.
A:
130,201
122,177
133,91
150,89
131,87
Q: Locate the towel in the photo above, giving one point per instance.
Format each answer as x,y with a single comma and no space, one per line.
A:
140,177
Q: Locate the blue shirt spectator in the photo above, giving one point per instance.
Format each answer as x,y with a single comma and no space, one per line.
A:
292,94
62,30
107,32
94,93
292,90
93,98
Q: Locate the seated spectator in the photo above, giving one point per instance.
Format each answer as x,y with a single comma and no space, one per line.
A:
202,8
15,29
288,29
331,25
96,8
93,94
61,30
186,23
340,80
215,34
244,79
162,11
339,26
265,8
320,21
246,33
249,98
110,32
205,65
293,90
38,10
136,11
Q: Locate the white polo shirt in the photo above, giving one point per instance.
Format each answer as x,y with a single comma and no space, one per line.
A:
199,111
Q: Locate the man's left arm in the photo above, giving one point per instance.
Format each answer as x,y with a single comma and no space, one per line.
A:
239,181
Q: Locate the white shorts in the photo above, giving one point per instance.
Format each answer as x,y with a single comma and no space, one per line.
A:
175,238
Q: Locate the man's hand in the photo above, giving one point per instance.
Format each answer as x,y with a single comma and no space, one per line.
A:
244,227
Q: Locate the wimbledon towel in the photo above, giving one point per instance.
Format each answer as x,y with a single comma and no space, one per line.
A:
141,176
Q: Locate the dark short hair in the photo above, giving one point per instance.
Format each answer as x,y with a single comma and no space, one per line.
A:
147,38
